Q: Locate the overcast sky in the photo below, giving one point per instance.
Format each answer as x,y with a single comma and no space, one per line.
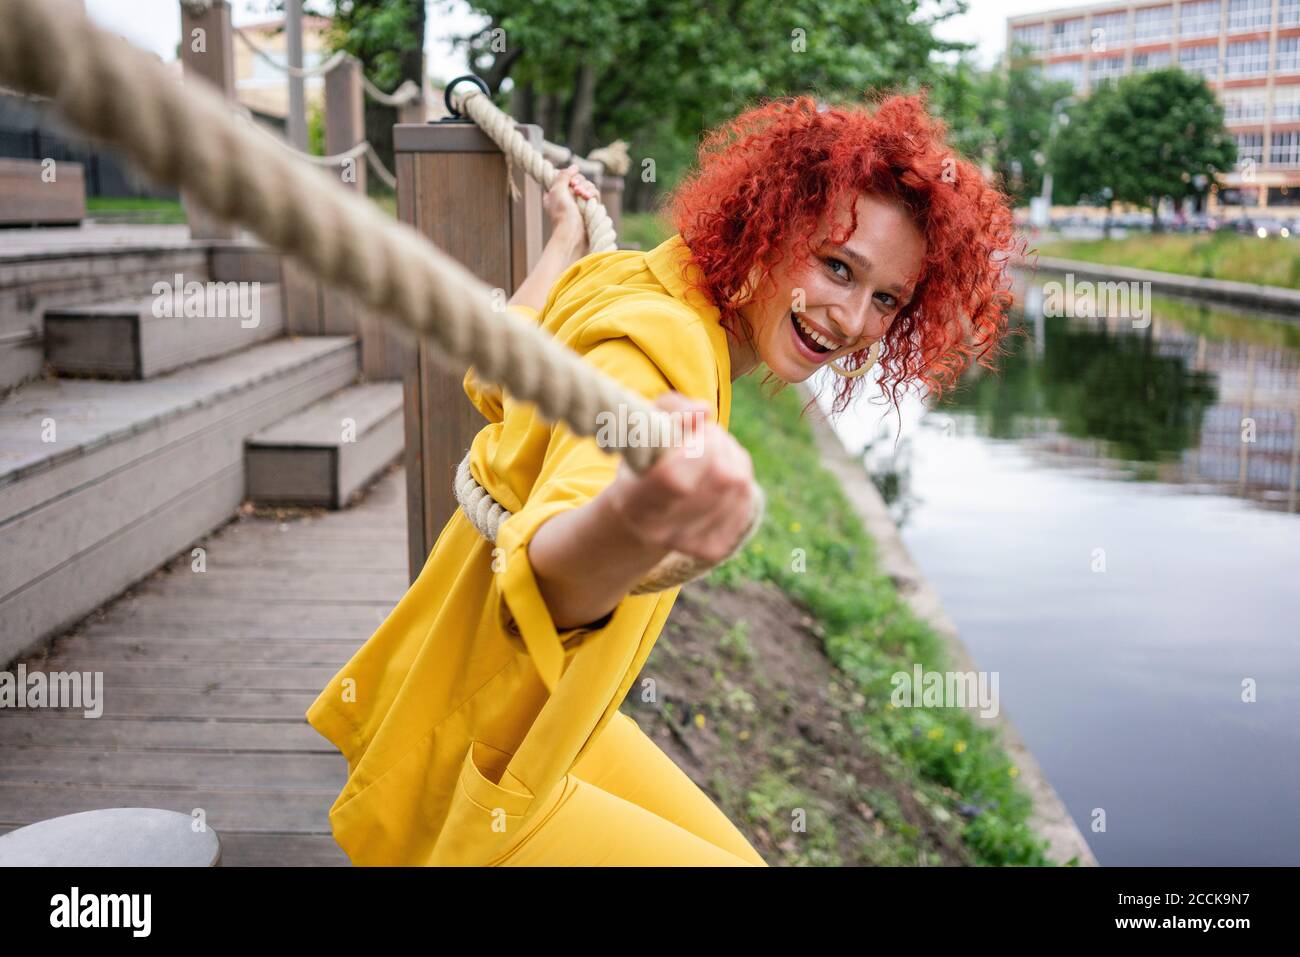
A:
155,25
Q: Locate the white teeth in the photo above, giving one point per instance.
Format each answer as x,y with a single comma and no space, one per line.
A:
814,335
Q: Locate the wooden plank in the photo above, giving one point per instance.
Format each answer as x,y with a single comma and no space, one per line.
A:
90,769
279,705
226,808
216,615
302,299
71,651
240,262
239,849
194,676
47,733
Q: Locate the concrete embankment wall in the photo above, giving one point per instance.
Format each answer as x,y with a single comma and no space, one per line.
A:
1275,299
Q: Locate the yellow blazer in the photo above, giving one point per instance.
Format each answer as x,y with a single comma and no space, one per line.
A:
466,708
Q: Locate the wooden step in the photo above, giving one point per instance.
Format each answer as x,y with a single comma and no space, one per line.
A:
101,481
140,338
325,453
42,269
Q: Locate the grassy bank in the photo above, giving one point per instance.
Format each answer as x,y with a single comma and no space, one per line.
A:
1220,255
133,210
869,632
886,785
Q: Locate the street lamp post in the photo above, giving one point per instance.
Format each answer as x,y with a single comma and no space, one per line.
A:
1059,119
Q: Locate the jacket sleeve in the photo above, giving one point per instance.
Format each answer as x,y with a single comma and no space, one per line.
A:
649,347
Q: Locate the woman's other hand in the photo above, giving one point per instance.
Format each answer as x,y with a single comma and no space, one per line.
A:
561,205
568,242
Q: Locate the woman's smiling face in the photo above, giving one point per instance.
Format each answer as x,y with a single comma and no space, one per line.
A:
841,299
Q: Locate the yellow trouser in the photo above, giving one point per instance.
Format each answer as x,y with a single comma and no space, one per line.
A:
626,804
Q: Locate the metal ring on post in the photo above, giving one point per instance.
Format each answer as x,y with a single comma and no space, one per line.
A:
454,113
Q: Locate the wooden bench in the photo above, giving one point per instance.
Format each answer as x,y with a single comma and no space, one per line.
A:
26,199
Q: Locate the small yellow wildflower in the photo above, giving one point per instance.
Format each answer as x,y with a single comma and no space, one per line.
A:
1013,772
795,526
935,734
959,747
699,721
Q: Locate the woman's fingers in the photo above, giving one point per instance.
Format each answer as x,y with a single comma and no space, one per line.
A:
580,185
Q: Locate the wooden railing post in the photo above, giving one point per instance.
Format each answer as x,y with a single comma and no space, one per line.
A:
345,127
345,119
611,194
415,112
451,186
207,53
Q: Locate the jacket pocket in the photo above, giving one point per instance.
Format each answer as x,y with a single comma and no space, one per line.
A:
484,818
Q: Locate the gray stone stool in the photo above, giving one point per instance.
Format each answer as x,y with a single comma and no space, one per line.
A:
112,837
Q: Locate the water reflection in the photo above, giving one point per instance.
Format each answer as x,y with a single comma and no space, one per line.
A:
1200,397
1171,451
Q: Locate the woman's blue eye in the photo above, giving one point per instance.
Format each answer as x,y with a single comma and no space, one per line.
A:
890,300
836,262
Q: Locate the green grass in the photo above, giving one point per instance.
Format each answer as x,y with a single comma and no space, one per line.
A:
1218,255
647,229
135,210
869,632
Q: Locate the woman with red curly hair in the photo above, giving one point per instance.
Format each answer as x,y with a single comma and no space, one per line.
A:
481,722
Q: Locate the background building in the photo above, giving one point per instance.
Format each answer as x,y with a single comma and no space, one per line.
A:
262,87
1247,50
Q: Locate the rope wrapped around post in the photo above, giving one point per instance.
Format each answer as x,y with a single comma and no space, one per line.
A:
186,136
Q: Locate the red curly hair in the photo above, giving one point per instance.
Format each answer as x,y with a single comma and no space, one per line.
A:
765,178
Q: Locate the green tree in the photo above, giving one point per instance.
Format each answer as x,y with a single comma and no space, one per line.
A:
657,72
1002,116
1145,137
387,36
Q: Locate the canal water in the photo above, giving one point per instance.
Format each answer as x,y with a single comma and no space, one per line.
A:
1113,524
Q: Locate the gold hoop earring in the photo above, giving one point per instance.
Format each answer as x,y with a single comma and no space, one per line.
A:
863,369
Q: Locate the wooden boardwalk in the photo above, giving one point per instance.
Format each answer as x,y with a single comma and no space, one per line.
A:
207,677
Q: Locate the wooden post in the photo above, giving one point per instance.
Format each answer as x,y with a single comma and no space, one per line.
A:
345,118
297,119
611,194
345,127
417,112
451,186
207,53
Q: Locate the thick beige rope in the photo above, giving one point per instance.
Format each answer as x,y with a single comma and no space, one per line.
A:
500,127
186,136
